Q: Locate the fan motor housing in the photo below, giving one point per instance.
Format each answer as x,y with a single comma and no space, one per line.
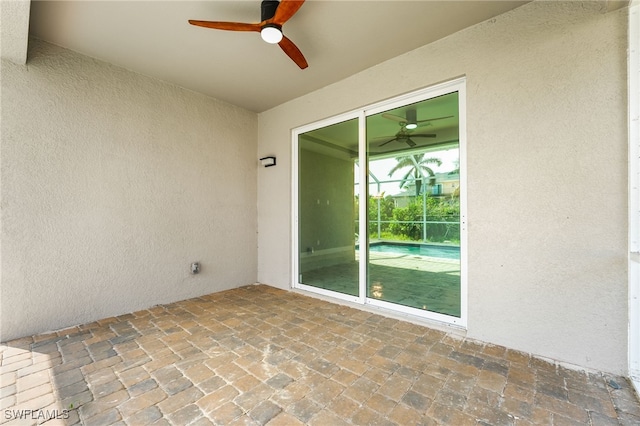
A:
268,9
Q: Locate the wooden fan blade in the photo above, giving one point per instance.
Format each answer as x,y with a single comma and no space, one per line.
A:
383,144
229,26
434,119
293,52
394,117
431,135
410,143
286,9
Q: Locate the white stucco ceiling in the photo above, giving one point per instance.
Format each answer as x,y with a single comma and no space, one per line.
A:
338,39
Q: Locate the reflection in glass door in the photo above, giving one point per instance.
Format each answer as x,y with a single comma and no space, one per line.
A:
327,208
414,206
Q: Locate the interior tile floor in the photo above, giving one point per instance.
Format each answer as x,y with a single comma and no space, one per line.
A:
257,355
420,282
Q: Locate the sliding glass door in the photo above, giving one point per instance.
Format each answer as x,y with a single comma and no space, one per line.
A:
379,205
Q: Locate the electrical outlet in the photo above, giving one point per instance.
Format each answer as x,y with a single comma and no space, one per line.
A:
195,268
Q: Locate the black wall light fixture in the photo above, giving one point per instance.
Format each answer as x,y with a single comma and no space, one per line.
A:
268,161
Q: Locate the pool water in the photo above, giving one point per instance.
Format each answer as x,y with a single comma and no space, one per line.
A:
446,252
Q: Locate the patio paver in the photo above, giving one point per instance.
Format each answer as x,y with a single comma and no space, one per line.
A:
259,355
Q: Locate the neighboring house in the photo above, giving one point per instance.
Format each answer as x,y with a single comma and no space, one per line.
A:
444,185
403,198
447,184
113,182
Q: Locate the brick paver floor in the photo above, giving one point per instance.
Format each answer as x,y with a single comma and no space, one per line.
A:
258,355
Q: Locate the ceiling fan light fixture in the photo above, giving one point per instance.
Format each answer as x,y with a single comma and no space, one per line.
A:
412,119
271,34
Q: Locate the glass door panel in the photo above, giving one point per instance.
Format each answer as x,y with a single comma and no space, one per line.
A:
328,208
414,206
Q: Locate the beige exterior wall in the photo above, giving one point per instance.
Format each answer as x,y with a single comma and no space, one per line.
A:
112,184
546,104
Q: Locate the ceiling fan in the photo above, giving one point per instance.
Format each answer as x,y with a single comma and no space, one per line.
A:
411,122
405,135
273,16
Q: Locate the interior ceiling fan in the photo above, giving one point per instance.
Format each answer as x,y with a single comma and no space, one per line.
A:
273,16
411,122
407,125
405,135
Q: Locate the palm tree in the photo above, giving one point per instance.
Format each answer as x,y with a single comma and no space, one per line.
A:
416,171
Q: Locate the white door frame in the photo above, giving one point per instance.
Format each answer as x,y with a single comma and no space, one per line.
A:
634,193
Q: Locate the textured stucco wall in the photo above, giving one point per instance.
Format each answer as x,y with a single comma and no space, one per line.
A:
14,30
547,161
112,184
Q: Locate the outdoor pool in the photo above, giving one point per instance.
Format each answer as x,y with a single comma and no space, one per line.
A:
446,252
